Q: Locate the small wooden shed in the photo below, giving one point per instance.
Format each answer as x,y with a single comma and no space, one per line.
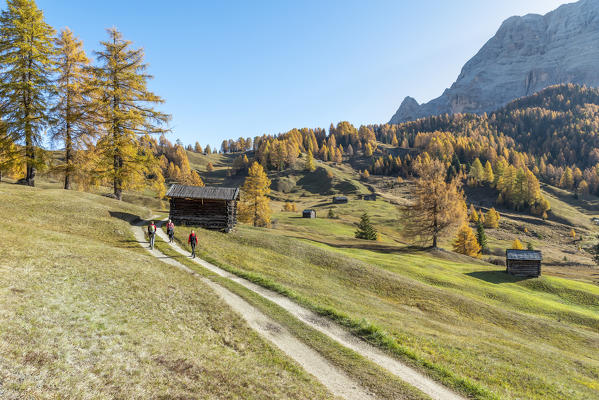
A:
340,200
204,206
309,214
526,263
370,197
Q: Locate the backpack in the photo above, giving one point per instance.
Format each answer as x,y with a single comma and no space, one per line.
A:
152,229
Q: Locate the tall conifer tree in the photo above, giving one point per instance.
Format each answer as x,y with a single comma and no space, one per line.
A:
26,65
254,206
73,113
126,112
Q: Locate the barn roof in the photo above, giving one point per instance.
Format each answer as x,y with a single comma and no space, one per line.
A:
533,255
203,192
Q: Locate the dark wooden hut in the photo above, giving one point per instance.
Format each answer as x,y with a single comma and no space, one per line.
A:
207,207
526,263
340,200
309,214
370,197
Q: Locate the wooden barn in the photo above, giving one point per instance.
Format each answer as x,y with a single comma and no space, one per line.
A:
207,207
340,200
309,214
526,263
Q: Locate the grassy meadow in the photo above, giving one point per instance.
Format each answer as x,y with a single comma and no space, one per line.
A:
86,313
463,321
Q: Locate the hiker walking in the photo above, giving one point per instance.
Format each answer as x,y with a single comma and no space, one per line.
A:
193,241
152,234
170,231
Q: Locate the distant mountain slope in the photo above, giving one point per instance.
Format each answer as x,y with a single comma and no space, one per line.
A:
527,54
560,123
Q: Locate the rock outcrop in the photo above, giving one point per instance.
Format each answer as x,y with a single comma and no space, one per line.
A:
527,54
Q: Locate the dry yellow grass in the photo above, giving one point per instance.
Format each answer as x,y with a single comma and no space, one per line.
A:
85,313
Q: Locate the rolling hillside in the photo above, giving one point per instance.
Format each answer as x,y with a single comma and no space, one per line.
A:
84,310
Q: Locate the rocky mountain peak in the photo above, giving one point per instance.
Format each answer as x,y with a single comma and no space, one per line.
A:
527,54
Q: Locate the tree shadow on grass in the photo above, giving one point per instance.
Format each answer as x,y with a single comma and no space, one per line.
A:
497,277
127,217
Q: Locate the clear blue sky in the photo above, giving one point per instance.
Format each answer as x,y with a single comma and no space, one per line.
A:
244,68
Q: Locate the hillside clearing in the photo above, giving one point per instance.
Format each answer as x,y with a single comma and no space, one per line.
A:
84,310
452,319
337,333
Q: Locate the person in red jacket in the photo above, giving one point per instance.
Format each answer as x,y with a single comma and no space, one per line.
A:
170,231
193,241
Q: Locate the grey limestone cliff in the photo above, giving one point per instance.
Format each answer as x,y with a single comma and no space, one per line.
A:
526,54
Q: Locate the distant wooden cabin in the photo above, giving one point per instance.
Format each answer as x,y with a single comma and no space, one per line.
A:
340,200
370,197
525,263
207,207
309,214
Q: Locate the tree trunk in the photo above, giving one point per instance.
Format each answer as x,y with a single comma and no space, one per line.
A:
69,161
118,183
30,155
68,140
29,149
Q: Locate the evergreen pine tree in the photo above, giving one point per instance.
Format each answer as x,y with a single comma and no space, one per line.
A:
254,206
365,229
595,253
481,236
26,65
126,112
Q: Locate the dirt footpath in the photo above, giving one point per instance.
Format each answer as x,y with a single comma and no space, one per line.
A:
336,332
335,380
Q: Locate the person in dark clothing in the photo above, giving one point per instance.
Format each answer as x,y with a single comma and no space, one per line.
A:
193,241
152,234
170,231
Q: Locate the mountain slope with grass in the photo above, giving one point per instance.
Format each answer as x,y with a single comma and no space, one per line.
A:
462,321
84,310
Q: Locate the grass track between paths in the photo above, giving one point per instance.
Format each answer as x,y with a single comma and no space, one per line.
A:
447,318
368,374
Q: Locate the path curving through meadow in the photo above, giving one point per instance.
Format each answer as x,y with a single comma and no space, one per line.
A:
334,379
334,331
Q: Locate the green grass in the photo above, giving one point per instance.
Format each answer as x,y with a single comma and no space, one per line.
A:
467,324
368,374
86,313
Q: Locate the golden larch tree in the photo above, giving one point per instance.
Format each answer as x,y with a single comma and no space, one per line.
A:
438,205
466,243
126,112
492,219
254,206
517,245
26,68
309,166
73,113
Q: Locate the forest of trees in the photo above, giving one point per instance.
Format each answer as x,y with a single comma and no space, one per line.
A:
554,134
104,118
101,114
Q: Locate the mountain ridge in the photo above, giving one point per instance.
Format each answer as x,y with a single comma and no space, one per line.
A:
527,54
